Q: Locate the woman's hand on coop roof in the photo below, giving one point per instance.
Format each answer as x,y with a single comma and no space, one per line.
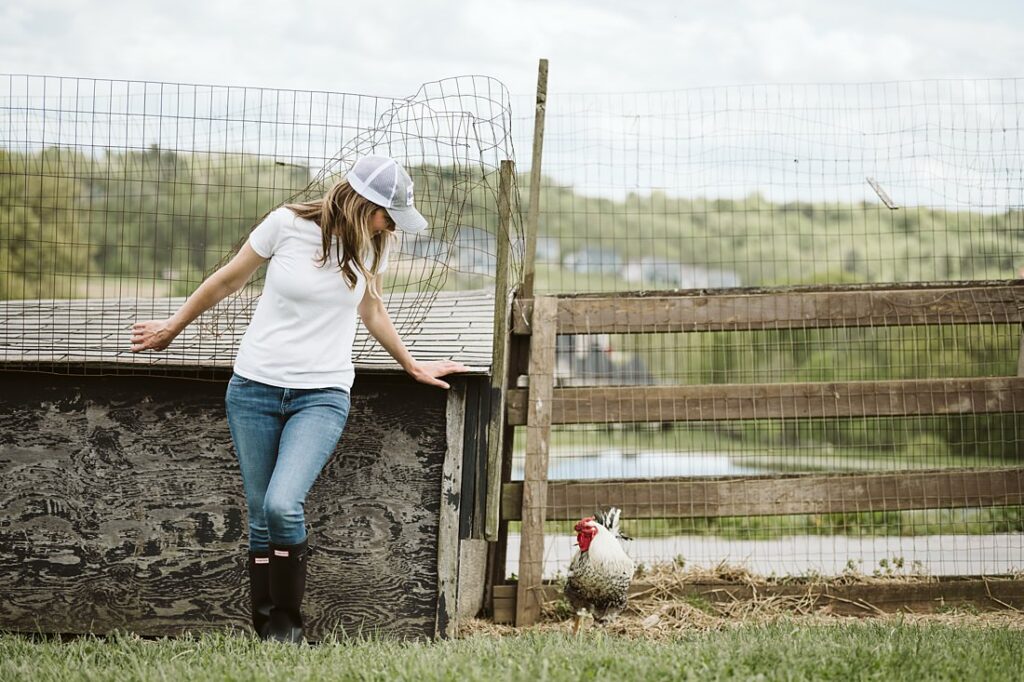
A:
152,335
428,372
158,334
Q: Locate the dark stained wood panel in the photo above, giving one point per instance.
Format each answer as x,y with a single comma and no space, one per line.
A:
122,507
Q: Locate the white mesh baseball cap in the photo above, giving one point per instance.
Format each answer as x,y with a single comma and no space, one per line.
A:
381,180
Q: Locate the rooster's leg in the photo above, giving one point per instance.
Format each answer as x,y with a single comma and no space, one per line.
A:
577,622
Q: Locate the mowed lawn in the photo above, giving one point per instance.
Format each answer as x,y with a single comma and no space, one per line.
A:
781,650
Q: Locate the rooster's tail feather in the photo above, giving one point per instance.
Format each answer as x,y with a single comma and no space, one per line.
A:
609,519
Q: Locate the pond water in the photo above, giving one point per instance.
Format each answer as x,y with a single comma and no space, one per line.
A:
615,463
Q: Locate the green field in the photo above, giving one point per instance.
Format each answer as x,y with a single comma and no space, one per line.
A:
784,650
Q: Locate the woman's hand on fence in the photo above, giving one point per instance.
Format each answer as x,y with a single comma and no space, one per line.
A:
152,335
428,372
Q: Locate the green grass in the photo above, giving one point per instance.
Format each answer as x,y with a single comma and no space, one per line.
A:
779,651
982,521
970,521
911,451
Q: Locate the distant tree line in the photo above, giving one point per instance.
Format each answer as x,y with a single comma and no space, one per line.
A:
151,213
148,214
157,214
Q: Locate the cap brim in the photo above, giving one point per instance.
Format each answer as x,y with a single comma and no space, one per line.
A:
408,219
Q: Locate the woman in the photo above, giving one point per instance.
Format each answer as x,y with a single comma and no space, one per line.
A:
288,399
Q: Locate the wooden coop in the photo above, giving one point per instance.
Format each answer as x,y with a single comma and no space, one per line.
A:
123,506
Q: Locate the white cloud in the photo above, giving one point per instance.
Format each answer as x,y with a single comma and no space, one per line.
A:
391,47
596,46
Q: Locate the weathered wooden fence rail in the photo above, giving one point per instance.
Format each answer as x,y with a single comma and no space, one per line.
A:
905,397
535,500
799,307
677,498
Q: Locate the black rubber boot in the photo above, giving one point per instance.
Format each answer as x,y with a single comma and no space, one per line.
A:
287,587
259,591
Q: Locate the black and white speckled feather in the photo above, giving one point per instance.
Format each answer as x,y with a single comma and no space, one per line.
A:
599,577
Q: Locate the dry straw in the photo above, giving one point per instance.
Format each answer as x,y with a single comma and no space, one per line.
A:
659,612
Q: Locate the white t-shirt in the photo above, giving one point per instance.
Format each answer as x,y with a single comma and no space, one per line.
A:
305,322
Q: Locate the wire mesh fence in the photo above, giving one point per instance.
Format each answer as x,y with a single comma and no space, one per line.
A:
727,190
129,193
780,184
117,197
883,449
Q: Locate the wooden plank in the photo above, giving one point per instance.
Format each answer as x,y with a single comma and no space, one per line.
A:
505,591
986,594
123,509
447,623
535,477
533,214
474,468
500,354
676,498
498,550
992,303
519,361
716,402
472,578
504,613
503,609
1020,354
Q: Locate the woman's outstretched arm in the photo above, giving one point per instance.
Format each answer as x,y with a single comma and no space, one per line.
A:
158,334
377,321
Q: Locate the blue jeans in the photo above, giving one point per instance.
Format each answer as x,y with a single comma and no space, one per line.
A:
283,438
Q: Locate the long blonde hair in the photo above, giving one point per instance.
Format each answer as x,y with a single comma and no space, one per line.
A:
342,212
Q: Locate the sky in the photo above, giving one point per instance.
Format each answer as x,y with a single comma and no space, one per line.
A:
389,48
943,142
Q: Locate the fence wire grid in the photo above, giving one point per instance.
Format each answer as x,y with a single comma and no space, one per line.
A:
727,190
117,198
772,185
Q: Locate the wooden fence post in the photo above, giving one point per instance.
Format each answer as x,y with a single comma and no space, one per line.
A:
535,478
533,215
499,357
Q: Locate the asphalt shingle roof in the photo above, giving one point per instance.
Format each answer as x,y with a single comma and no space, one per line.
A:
452,324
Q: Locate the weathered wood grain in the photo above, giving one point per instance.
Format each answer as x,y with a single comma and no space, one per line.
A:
1020,355
675,498
500,355
785,308
122,507
535,478
533,212
447,625
714,402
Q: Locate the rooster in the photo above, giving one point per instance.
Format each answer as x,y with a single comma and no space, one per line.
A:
601,571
